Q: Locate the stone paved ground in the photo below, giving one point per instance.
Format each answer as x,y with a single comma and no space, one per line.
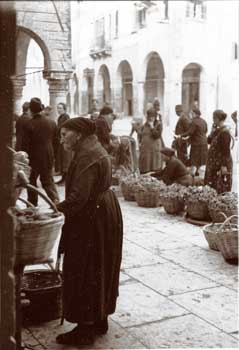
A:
174,291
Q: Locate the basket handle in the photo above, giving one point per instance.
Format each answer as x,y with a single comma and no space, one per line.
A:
26,202
47,199
227,221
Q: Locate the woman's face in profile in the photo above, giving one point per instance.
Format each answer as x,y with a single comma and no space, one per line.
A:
69,139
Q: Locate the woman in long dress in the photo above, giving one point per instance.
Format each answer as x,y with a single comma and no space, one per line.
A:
219,163
150,134
91,238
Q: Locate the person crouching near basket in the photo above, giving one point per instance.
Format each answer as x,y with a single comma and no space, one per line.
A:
175,171
91,238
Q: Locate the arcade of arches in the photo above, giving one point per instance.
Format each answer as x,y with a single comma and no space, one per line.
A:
131,98
53,47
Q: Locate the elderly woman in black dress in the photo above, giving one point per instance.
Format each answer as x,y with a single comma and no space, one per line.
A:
219,163
91,238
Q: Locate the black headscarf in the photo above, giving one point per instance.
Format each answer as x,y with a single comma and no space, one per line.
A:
167,151
80,124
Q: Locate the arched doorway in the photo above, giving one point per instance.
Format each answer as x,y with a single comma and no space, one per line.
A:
191,86
125,80
32,60
103,85
35,85
154,80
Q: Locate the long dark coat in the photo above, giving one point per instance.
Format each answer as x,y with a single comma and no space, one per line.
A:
198,139
219,155
63,157
41,138
22,124
91,236
180,145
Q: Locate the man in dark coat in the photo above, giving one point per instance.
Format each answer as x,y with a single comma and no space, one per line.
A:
104,126
41,140
63,157
182,126
91,238
21,127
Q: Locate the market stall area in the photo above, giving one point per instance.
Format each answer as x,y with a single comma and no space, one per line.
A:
175,292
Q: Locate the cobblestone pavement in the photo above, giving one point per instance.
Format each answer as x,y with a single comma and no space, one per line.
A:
174,291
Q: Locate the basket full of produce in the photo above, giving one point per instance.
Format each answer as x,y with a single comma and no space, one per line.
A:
35,232
147,191
197,199
127,185
225,204
173,198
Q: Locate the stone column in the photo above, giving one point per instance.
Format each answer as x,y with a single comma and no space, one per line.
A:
138,101
58,82
18,84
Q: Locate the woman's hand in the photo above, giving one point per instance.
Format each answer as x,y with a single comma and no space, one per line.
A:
224,170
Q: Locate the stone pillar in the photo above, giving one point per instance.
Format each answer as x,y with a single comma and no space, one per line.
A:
58,88
117,99
138,100
18,84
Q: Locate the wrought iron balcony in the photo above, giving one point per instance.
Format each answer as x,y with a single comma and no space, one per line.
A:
103,50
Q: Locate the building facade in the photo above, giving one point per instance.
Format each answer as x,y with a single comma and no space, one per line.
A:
43,50
128,53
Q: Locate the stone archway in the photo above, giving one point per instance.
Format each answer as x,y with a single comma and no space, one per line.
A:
124,98
103,85
50,32
154,80
191,76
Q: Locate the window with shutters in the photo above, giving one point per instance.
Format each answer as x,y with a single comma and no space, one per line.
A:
196,9
100,32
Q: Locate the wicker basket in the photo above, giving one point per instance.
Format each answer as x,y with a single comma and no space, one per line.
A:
128,192
228,240
219,216
197,210
44,290
173,205
210,232
147,199
35,239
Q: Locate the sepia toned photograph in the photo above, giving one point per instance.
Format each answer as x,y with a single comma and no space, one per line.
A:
119,174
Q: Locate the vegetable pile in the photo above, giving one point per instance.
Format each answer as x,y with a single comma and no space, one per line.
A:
201,194
31,214
148,183
226,202
174,191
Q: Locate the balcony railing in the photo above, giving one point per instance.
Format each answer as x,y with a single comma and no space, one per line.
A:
103,50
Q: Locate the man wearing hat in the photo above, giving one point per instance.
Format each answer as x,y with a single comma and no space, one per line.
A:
41,141
21,127
104,126
175,171
182,126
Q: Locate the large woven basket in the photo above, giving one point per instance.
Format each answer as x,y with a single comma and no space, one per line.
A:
172,205
43,288
35,239
210,232
127,192
147,199
197,210
228,240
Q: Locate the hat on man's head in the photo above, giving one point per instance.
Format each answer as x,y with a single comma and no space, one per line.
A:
106,110
25,106
80,124
156,102
179,107
35,105
169,152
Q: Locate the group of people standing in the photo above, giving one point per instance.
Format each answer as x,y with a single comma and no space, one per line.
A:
212,151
